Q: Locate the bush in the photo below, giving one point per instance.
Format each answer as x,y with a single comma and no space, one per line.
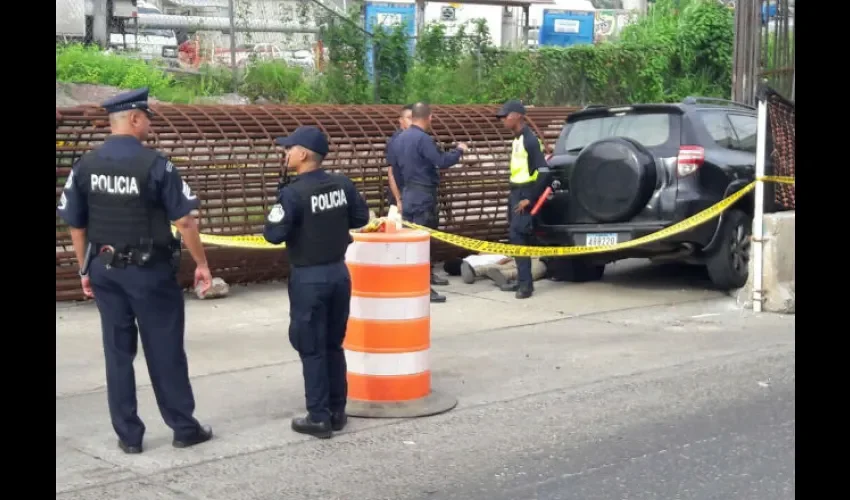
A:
275,82
76,63
682,47
79,64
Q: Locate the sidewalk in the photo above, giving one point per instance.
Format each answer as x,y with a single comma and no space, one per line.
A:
489,350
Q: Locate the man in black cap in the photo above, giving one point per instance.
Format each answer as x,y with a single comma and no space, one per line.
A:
527,185
313,216
419,161
121,199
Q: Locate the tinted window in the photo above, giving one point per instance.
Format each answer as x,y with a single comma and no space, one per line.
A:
745,127
649,129
719,129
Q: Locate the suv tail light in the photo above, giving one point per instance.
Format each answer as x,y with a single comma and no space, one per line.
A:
689,160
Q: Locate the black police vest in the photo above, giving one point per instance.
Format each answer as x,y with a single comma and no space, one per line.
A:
121,212
323,235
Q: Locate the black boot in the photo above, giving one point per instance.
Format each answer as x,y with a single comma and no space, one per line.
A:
338,420
438,281
524,292
203,435
436,298
304,425
130,450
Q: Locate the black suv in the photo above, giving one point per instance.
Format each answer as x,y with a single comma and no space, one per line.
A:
619,173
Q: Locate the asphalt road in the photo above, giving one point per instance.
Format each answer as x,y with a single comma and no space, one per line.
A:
741,448
642,391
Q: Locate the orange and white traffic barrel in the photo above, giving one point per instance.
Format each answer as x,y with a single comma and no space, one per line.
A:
388,340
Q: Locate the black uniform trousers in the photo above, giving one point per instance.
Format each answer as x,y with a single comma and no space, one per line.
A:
520,228
420,205
152,297
319,301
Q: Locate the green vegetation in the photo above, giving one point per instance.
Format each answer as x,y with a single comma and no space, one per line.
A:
682,47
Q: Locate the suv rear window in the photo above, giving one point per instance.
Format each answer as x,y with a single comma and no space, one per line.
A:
649,129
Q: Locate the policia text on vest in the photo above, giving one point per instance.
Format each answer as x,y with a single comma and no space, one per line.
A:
114,184
326,201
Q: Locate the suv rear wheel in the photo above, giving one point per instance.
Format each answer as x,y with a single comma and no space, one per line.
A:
728,266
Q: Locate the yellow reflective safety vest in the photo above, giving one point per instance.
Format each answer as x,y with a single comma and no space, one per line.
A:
519,162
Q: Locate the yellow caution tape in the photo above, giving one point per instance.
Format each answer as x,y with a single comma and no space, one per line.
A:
257,242
510,250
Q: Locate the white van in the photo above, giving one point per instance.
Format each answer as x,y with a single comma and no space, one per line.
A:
151,43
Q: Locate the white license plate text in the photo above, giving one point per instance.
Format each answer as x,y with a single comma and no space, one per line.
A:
600,239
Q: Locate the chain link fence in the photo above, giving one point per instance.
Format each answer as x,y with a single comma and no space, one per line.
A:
765,48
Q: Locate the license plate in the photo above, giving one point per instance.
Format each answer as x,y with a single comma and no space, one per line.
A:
600,239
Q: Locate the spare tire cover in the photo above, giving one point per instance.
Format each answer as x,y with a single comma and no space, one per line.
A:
613,179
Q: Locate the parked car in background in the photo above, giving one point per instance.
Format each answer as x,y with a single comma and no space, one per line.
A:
264,52
621,173
149,43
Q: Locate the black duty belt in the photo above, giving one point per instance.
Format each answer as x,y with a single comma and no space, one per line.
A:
125,256
524,185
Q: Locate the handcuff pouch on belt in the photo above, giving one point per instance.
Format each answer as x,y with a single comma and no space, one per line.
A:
176,252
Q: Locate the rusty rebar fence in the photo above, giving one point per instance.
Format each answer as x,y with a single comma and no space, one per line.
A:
781,146
227,155
764,48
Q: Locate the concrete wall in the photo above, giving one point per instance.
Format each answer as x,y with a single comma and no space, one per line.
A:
779,268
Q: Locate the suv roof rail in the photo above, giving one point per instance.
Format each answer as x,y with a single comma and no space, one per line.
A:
716,100
591,106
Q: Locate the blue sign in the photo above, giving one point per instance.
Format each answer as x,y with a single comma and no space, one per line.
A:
562,28
386,16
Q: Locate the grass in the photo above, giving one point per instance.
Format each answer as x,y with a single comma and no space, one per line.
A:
76,63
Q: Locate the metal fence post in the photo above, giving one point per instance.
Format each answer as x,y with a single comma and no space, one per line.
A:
758,213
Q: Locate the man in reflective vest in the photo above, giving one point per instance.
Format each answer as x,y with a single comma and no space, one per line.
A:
527,185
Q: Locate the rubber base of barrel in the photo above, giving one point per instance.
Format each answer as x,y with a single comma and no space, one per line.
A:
432,404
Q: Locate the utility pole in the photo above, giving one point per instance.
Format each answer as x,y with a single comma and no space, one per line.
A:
235,82
420,17
100,23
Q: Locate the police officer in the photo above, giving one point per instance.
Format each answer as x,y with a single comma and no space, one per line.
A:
419,159
121,198
395,180
313,216
527,185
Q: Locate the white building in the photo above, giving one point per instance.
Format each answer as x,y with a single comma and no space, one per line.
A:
504,17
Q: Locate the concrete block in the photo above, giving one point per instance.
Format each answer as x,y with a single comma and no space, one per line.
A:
779,266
